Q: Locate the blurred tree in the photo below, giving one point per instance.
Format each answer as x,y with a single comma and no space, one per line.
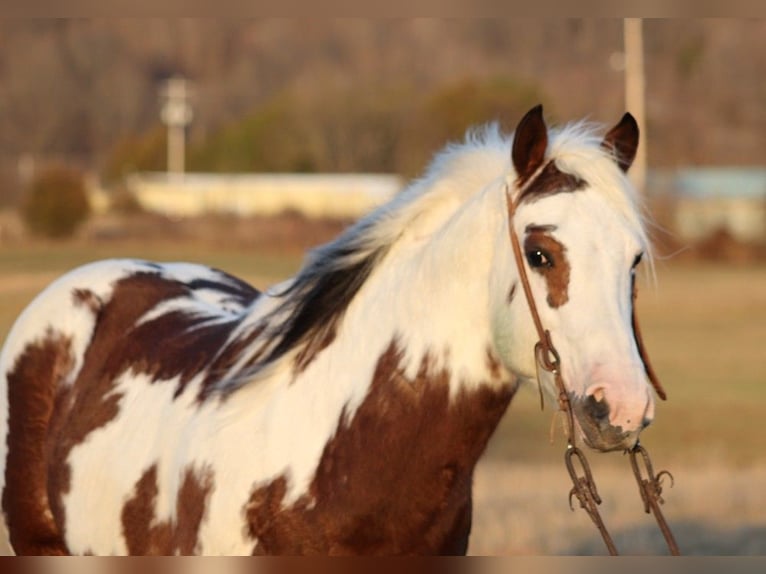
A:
72,88
447,113
356,128
56,203
332,130
340,128
268,139
143,152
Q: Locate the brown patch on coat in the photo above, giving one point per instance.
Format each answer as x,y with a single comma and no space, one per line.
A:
494,365
145,536
89,403
178,345
138,514
395,478
313,347
551,181
47,419
557,273
32,382
87,298
226,360
511,294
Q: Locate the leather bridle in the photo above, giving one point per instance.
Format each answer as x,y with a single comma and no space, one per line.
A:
548,358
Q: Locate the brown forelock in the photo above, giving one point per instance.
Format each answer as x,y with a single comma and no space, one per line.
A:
171,345
144,535
557,275
396,476
32,384
550,181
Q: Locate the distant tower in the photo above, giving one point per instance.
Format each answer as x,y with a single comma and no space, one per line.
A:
176,114
635,95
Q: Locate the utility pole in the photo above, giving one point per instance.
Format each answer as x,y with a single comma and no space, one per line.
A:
176,114
635,93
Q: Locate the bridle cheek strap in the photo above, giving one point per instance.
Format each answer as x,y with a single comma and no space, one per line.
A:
653,379
547,357
546,354
544,348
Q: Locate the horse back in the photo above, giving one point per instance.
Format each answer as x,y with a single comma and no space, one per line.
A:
59,368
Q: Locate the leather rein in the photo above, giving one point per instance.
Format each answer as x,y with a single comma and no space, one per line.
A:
548,358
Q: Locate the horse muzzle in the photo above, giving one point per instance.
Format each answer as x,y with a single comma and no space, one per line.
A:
593,416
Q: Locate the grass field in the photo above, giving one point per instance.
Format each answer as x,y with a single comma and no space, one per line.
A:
705,329
704,325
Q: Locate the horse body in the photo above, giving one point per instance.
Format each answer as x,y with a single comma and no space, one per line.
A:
179,429
171,408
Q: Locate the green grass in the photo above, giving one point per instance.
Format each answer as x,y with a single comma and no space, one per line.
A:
704,326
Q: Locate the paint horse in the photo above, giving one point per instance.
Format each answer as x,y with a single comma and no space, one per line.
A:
172,409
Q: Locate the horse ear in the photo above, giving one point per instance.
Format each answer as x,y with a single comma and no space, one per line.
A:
622,141
529,143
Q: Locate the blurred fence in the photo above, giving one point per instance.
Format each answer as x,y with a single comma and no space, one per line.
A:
706,200
314,195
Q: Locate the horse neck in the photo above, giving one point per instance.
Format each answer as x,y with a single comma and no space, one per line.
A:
430,298
409,372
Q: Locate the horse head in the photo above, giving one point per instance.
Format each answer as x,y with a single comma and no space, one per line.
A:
581,236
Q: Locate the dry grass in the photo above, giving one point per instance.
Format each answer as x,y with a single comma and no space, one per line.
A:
523,509
705,327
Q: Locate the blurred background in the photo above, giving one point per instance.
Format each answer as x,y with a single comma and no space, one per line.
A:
241,144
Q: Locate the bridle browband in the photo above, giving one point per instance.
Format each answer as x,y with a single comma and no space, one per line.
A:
547,357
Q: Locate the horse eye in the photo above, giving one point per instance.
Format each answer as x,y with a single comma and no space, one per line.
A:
637,260
537,258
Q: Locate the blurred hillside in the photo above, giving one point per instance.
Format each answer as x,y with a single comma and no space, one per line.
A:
361,95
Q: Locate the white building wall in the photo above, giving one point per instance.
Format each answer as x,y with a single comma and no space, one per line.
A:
314,195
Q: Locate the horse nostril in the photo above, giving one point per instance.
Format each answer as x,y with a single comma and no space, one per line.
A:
645,422
596,407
